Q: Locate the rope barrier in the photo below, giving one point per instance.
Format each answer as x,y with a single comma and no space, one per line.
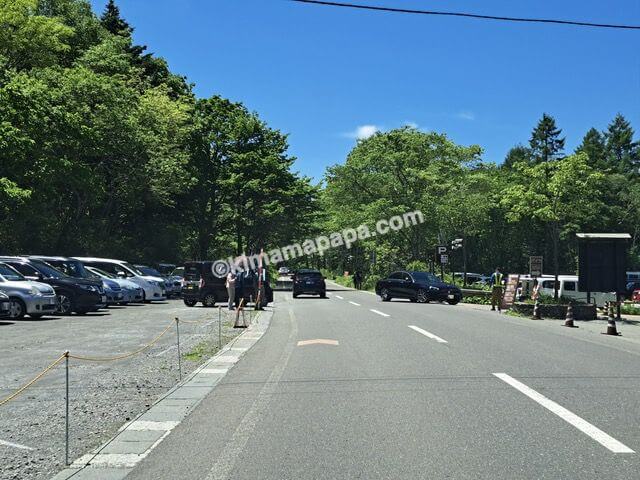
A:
126,355
34,380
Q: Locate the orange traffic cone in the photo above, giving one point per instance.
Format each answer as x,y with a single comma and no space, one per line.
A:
611,324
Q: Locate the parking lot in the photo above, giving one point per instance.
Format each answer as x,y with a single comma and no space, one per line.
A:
103,395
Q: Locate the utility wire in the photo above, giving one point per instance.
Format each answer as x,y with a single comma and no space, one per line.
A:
469,15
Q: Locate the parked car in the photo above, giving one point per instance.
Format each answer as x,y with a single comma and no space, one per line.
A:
26,297
4,306
74,268
630,288
152,287
77,295
635,296
421,287
283,271
131,292
567,287
201,285
171,287
307,281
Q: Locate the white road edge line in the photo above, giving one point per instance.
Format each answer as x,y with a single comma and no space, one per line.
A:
338,296
354,303
15,445
428,334
379,312
585,427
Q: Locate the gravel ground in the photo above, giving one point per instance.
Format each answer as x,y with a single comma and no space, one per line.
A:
102,395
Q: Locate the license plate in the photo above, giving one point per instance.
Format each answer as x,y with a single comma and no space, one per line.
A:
52,301
451,297
309,282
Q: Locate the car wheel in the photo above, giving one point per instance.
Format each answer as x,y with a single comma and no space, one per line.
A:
384,295
190,302
323,294
17,309
421,296
209,300
63,304
453,302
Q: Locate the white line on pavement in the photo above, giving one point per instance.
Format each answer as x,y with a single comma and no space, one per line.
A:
379,312
428,334
585,427
338,296
354,303
15,445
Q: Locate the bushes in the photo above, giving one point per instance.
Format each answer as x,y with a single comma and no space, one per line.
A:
370,282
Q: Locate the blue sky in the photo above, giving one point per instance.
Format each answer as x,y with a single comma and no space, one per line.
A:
324,75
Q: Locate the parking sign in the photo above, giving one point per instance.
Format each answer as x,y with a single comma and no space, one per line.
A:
535,266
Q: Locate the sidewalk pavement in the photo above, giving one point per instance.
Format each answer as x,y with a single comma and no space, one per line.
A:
137,438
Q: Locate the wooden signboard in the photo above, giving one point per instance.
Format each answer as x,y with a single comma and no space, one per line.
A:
510,291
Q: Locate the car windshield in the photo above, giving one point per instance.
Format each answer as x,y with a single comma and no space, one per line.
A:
47,270
100,273
72,268
425,277
9,274
133,269
150,271
309,274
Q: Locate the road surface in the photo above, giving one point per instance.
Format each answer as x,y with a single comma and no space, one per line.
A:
401,391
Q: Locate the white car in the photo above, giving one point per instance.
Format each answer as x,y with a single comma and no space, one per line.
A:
152,287
25,296
283,271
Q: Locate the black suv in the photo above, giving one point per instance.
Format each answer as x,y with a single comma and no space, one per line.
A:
201,285
309,281
421,287
77,295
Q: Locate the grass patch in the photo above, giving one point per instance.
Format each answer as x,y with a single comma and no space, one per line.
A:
201,351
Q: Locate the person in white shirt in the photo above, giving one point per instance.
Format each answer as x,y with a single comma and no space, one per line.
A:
231,288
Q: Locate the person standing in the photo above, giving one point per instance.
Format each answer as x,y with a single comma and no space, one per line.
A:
357,280
536,290
231,288
496,289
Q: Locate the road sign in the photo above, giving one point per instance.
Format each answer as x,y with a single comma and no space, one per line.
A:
444,259
535,266
440,249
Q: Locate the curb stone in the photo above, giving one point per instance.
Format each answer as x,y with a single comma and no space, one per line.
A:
115,459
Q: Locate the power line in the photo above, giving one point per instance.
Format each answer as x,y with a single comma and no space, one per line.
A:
469,15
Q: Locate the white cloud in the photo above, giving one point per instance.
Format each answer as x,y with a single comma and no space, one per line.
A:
363,132
411,124
466,115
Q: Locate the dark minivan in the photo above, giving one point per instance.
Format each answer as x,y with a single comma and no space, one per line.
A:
201,285
421,287
77,295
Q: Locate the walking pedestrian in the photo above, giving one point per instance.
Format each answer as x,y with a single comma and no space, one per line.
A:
231,288
496,289
535,293
357,280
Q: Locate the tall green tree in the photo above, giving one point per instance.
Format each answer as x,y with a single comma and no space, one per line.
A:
546,143
623,153
593,145
518,154
563,195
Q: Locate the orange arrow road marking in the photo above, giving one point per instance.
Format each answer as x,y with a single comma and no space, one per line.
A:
319,341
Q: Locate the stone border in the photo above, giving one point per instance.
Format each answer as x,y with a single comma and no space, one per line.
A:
138,437
580,312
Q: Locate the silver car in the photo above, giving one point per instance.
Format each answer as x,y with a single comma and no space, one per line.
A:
25,296
131,292
4,305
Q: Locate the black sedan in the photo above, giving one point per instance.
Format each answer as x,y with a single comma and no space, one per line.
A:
421,287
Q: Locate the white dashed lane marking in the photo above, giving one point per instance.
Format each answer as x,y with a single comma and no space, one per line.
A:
379,312
354,303
338,296
428,334
585,427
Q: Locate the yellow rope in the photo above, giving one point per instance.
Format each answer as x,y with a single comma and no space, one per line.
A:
126,355
35,379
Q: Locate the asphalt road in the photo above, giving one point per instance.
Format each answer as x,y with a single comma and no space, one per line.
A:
413,395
